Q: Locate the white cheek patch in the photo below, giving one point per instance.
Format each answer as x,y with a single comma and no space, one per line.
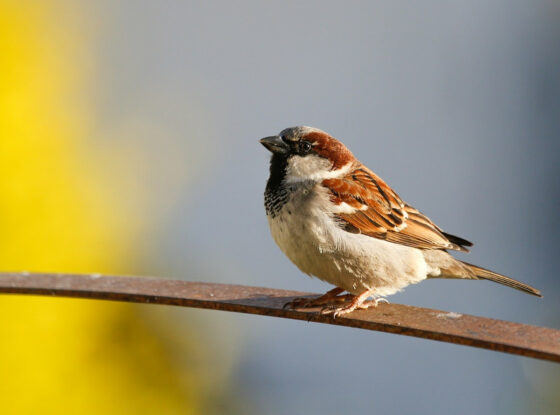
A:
303,168
313,168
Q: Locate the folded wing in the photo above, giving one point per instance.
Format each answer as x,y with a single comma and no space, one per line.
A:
367,205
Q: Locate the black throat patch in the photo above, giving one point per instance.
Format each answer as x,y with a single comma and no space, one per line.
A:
276,193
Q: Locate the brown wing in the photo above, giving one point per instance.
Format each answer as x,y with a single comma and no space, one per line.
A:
370,207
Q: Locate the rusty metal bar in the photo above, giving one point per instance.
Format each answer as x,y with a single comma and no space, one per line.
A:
504,336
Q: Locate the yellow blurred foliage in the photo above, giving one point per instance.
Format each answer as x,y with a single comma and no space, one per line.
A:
61,355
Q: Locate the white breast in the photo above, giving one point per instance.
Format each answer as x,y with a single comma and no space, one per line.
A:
306,232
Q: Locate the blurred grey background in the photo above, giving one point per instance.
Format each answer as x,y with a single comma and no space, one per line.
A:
455,104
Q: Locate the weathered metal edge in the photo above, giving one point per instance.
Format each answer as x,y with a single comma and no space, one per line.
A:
502,336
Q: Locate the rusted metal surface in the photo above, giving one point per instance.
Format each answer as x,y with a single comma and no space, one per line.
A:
521,339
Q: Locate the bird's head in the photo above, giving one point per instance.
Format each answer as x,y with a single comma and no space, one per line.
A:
307,153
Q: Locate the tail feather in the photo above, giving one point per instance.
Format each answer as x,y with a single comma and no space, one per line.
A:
502,279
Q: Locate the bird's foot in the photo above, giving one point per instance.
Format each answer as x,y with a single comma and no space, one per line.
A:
326,299
358,302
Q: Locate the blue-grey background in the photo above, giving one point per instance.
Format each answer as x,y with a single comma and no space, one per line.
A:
455,104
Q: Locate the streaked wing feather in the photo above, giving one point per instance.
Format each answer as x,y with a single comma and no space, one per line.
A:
380,213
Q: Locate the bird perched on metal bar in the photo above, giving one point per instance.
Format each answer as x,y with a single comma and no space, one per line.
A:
337,220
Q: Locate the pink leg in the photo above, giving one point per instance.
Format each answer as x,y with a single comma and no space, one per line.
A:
358,303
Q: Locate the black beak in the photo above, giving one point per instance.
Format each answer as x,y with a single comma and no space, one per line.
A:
275,144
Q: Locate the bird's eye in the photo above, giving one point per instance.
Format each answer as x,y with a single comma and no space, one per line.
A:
283,138
304,147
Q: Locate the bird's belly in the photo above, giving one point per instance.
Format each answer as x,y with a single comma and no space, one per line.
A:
354,262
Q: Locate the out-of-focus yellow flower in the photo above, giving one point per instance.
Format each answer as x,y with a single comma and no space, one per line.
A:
61,355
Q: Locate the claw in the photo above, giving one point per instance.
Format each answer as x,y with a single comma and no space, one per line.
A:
335,304
359,302
327,298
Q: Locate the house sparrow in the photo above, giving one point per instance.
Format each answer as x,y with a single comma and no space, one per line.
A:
338,221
